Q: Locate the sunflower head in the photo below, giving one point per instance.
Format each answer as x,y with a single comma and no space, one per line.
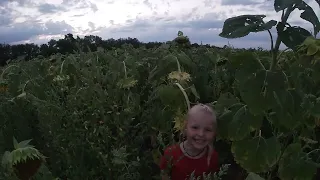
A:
179,76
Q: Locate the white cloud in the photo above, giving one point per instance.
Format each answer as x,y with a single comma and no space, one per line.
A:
148,20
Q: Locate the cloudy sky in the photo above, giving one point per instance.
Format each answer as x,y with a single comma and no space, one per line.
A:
38,21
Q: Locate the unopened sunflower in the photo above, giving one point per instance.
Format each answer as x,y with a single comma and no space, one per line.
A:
179,76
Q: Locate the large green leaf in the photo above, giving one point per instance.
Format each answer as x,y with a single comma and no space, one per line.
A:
245,64
280,5
309,15
170,95
311,104
226,106
312,50
295,164
243,122
288,112
225,101
241,26
224,120
257,154
294,36
258,91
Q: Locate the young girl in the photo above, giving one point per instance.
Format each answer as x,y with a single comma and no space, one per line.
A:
195,154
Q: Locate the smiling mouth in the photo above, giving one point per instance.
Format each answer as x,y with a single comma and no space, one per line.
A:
200,141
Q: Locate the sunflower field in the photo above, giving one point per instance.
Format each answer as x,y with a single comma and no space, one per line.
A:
109,114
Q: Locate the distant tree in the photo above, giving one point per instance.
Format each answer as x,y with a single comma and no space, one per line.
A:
70,44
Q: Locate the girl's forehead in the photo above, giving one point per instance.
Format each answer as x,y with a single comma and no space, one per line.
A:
201,114
198,115
201,119
198,110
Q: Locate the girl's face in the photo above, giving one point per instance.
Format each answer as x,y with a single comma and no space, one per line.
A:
199,130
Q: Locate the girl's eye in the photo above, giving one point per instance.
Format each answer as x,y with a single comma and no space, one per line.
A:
194,127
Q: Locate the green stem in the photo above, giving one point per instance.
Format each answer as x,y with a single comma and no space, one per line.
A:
283,52
271,38
4,71
284,19
25,85
61,67
185,95
125,69
178,65
259,62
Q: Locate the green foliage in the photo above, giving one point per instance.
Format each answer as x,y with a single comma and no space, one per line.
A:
109,114
212,176
24,158
280,5
241,26
100,107
21,153
272,108
257,154
182,41
310,47
294,36
296,164
253,176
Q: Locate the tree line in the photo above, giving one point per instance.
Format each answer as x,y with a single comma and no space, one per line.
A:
70,44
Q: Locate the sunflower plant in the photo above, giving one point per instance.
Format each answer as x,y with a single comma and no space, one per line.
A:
24,160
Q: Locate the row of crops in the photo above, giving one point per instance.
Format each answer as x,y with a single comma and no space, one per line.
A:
110,114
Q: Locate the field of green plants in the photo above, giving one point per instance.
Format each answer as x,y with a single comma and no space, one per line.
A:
109,114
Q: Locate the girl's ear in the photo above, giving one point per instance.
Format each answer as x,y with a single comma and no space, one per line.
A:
184,132
185,123
183,135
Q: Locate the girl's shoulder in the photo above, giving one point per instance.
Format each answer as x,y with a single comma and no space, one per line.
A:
172,149
214,155
170,155
214,152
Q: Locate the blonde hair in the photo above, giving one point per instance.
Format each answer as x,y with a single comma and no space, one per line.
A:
200,108
204,109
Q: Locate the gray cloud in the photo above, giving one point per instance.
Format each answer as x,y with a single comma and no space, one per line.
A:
210,20
267,5
91,25
49,8
5,17
20,2
76,4
27,30
147,3
240,2
209,3
80,4
71,2
109,2
3,2
93,7
79,15
55,28
19,32
197,31
205,29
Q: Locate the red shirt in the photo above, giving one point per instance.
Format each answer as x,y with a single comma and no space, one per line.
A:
183,166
